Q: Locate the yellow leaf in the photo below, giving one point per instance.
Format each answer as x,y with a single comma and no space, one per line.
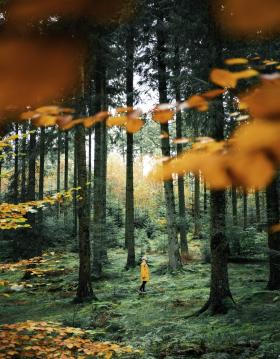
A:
236,61
134,125
116,121
162,114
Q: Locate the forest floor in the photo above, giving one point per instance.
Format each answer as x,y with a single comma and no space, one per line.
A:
156,323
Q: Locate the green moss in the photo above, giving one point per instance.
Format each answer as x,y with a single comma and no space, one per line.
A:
156,322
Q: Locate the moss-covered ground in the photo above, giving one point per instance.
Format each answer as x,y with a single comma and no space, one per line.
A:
158,322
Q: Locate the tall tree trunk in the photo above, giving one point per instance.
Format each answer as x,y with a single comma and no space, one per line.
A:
173,245
234,205
258,210
129,204
66,161
181,179
42,169
75,185
16,173
205,198
66,169
197,207
220,295
23,165
84,285
272,201
32,168
34,245
245,210
89,162
58,170
100,160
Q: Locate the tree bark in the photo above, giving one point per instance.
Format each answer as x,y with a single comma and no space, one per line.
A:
173,245
181,179
58,170
23,165
272,200
245,210
129,204
234,205
84,285
100,170
197,207
42,170
75,185
258,210
16,168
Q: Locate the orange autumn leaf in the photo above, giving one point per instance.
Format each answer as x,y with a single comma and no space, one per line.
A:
29,115
63,121
93,120
197,102
263,101
124,109
229,79
236,61
116,121
48,110
134,125
259,136
67,124
223,78
182,140
107,11
247,18
37,71
209,95
275,228
44,120
163,114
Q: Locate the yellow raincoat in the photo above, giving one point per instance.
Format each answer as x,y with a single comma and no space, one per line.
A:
145,273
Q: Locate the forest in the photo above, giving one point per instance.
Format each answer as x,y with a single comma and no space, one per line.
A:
139,179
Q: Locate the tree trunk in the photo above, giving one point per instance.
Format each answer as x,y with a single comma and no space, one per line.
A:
220,296
205,198
32,168
23,165
42,170
66,169
58,170
272,197
173,245
181,179
234,205
197,207
245,210
129,204
89,162
258,210
84,286
99,181
75,185
16,173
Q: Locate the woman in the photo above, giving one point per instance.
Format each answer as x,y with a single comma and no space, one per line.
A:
144,273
